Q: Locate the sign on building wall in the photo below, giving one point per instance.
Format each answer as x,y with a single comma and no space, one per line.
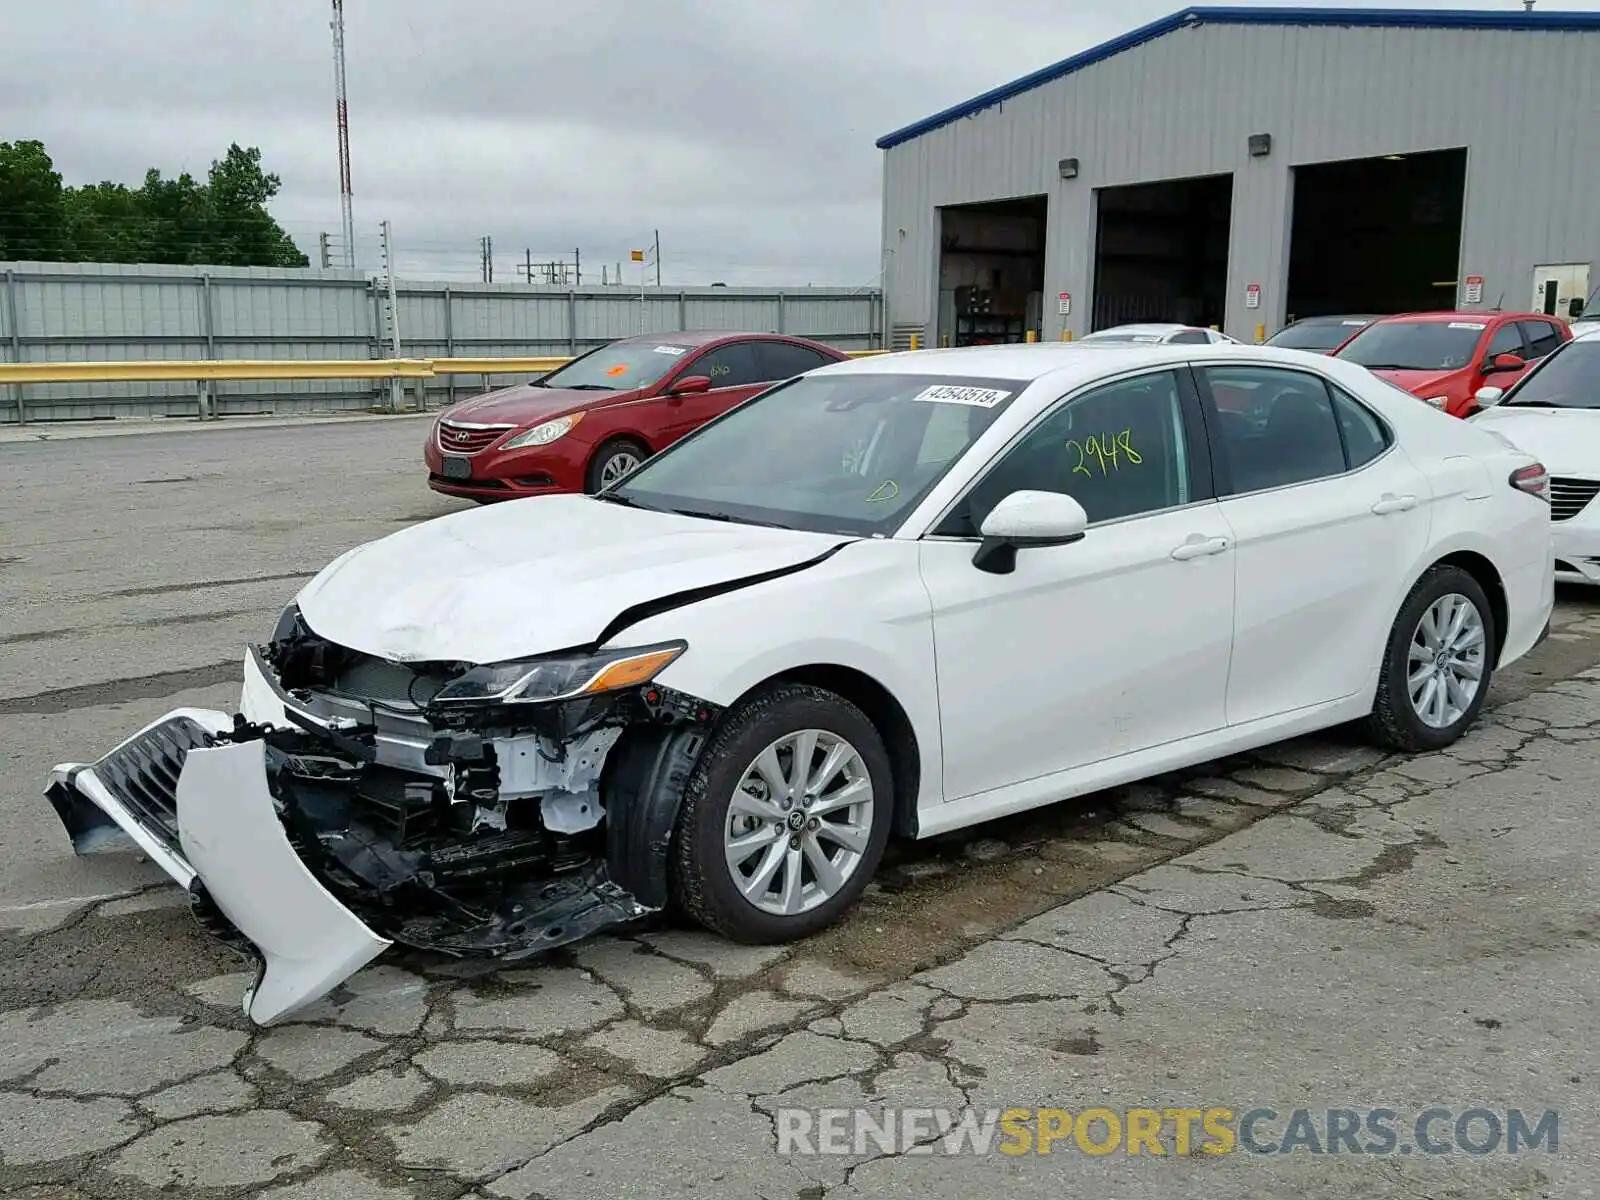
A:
1066,304
1252,296
1474,293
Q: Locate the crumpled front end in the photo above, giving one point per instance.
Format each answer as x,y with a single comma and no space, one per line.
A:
343,811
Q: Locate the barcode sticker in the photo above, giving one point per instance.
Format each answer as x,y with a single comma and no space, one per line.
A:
946,393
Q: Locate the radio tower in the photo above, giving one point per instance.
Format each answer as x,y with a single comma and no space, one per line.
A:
343,112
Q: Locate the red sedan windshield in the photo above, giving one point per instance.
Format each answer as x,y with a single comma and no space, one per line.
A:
619,367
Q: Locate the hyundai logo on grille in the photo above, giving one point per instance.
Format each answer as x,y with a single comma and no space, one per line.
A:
462,435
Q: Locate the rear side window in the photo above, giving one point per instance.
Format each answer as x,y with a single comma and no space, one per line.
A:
783,360
1190,337
1542,336
1277,427
1365,437
1505,341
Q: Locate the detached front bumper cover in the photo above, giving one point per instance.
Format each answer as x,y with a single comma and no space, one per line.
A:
201,808
197,792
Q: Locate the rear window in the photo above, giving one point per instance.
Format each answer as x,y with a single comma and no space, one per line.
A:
1415,345
1314,335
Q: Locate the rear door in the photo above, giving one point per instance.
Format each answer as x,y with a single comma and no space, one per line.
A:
1504,338
1328,515
735,375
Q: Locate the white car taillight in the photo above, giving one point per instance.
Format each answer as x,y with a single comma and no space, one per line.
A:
1533,479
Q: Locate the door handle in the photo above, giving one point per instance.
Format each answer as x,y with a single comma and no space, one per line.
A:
1390,503
1198,547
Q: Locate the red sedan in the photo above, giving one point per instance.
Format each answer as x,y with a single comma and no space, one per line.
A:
1443,358
587,424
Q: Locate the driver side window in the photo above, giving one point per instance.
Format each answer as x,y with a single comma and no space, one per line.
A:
1505,341
1119,450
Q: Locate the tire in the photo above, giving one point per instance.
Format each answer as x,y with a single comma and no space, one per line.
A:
611,460
1396,722
702,879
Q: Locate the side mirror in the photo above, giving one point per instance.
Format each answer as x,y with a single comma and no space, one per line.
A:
690,385
1504,362
1488,397
1025,519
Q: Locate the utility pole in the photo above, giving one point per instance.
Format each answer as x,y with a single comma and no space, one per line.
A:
527,264
577,266
604,280
342,115
486,251
656,254
386,248
327,251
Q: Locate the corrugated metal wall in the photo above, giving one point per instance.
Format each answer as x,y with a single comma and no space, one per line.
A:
1525,104
63,312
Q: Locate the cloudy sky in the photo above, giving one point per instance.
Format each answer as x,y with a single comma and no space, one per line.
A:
742,129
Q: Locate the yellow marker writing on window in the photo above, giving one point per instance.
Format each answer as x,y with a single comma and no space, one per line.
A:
1107,451
887,490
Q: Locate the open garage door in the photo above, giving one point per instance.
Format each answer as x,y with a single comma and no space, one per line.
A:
1377,235
1161,252
991,271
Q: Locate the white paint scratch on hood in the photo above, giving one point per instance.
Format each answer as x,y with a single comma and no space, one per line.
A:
530,576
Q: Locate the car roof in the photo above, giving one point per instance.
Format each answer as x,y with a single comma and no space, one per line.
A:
1587,335
1477,316
1336,319
1144,327
704,337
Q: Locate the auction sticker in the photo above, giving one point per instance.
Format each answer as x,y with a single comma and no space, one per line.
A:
672,350
1467,325
946,393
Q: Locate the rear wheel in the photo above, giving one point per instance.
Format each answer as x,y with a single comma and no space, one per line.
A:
785,818
1437,664
612,461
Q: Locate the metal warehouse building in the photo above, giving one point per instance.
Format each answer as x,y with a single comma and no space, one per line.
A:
1241,167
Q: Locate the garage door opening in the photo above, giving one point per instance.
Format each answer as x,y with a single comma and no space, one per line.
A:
1376,235
991,272
1161,252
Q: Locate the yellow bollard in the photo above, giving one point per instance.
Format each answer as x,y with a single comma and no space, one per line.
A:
916,341
1261,334
1031,336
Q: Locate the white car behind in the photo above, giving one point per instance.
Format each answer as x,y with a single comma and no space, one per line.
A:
892,597
1554,412
1162,334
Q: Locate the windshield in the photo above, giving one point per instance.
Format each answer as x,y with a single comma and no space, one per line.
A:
1415,345
852,452
1314,335
619,367
1568,378
1591,310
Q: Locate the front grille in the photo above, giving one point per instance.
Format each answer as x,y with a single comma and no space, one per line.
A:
476,484
468,439
144,773
1569,497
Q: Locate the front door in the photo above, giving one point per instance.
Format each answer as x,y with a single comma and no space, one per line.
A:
1329,516
1114,643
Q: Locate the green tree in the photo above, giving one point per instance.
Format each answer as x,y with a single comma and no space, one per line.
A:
32,210
221,222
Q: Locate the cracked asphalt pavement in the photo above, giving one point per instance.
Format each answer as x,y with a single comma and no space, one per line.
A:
1315,925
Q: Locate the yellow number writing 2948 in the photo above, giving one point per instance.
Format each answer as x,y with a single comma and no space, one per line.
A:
1107,451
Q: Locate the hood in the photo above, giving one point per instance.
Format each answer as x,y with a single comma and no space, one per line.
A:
528,405
1422,384
530,576
1565,440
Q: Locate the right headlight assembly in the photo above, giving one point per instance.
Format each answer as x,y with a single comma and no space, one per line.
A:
544,433
558,677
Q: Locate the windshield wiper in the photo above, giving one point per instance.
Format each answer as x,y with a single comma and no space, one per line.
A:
1515,403
729,517
624,501
589,387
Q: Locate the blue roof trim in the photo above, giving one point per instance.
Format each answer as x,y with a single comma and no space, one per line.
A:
1393,18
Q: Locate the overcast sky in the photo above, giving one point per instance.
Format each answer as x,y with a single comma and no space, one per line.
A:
742,129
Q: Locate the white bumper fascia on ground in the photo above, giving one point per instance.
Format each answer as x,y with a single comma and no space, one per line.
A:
231,840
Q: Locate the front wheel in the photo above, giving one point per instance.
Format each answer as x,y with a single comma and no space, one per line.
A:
612,462
785,817
1437,664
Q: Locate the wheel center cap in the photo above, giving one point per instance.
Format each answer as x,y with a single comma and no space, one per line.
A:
1440,659
796,820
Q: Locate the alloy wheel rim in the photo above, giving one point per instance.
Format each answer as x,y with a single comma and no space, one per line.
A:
1445,661
799,822
616,467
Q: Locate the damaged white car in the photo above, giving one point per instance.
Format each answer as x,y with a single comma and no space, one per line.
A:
899,595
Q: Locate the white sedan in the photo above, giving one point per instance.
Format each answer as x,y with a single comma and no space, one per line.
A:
1162,334
892,597
1554,412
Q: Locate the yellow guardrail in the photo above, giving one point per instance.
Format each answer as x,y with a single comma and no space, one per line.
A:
219,370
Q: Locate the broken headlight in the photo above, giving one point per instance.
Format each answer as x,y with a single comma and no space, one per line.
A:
288,622
558,677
